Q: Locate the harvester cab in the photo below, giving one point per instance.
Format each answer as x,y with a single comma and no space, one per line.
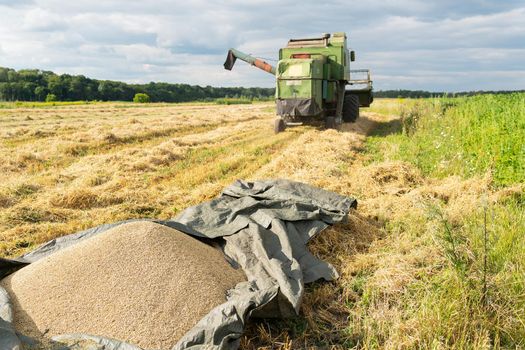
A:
314,81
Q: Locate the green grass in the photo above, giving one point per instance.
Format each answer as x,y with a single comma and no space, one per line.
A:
116,104
462,136
28,104
233,101
469,293
128,104
453,301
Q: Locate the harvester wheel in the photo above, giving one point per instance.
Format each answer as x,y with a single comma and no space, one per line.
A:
331,123
279,125
350,108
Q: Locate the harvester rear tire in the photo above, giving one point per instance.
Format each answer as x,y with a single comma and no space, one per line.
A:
350,108
330,123
279,125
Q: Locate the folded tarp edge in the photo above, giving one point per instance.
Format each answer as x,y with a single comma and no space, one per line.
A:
8,338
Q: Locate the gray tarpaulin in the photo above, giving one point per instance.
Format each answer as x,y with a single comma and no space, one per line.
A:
263,226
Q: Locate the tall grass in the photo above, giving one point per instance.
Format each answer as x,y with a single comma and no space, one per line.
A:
462,303
464,136
471,294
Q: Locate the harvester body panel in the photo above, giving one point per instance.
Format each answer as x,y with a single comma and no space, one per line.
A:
333,49
299,90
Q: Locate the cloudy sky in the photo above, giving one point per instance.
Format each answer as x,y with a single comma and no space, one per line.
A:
435,45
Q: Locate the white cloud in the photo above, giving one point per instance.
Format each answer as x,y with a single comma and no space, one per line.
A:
447,45
38,19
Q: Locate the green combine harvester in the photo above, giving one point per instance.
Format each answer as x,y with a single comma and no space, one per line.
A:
312,78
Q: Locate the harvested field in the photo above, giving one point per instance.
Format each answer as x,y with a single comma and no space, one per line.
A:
410,257
101,163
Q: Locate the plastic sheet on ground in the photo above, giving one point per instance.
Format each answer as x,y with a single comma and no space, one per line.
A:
263,226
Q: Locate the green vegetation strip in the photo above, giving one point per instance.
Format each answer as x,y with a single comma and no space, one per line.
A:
461,136
472,295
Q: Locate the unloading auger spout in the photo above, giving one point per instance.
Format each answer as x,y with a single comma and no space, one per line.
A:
233,54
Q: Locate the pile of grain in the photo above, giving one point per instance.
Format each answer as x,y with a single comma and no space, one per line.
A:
140,282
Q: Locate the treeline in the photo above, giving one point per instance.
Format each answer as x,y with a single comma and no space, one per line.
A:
36,85
426,94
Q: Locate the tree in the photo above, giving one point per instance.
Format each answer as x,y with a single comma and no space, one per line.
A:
77,88
5,92
51,98
3,74
41,93
57,86
141,98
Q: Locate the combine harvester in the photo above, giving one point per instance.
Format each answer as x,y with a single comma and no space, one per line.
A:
312,76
